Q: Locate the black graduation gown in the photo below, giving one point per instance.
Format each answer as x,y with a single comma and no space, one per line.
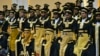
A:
94,37
3,44
59,24
45,25
42,49
54,50
29,48
90,51
23,23
73,27
33,18
15,22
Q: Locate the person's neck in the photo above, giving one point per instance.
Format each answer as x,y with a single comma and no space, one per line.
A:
12,17
58,7
22,17
56,18
75,14
84,18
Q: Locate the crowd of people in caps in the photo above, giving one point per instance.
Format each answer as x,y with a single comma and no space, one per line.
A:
68,30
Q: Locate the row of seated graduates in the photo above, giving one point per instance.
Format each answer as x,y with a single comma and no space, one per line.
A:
47,24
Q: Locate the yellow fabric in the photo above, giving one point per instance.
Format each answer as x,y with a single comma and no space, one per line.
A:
12,38
38,39
81,43
49,39
66,38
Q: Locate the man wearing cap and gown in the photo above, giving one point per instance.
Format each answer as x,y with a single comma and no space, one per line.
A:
46,7
5,8
12,18
25,45
56,25
65,7
22,19
84,41
57,6
13,25
96,32
69,27
44,18
38,7
32,21
14,7
76,14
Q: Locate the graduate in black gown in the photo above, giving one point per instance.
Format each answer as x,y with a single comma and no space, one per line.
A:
96,33
84,34
26,44
70,24
55,24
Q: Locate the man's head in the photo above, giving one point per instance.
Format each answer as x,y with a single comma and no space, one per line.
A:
5,7
12,14
43,12
76,10
22,13
56,14
84,13
27,32
97,15
57,4
14,6
32,12
68,14
37,6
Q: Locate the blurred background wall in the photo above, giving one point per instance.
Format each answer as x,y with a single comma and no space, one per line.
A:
41,2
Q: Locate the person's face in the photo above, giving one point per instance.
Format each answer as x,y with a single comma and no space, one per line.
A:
27,34
14,8
37,7
4,8
1,17
57,5
21,14
31,13
67,16
98,17
83,14
12,15
78,4
43,13
37,12
55,15
75,11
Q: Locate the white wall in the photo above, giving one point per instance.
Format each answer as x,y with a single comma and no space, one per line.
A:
21,2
